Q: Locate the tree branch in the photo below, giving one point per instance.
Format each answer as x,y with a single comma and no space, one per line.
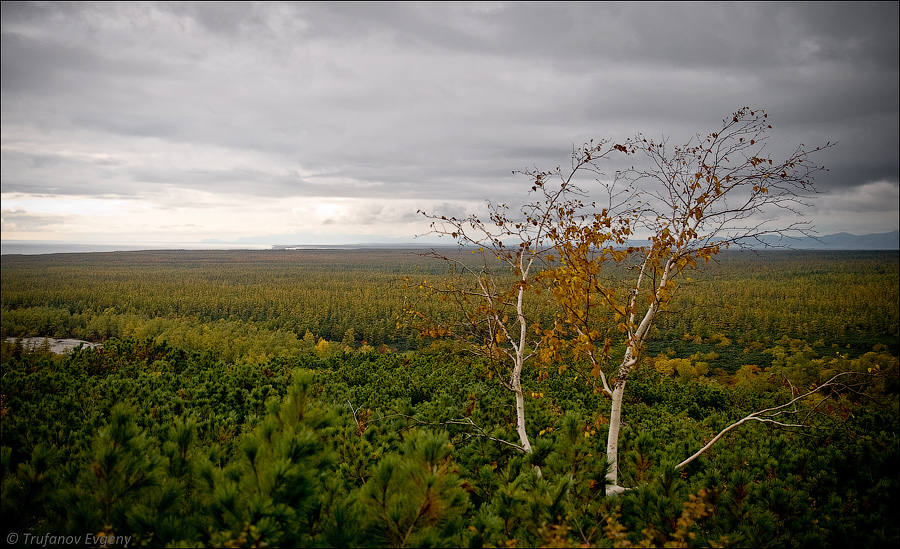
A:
768,415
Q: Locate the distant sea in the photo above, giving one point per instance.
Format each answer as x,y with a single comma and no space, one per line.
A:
35,247
839,241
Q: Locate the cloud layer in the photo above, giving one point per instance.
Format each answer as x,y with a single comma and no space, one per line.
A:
181,122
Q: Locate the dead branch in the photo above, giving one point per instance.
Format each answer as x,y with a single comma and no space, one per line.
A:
790,409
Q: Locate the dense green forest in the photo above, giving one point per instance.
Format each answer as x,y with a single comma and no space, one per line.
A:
287,398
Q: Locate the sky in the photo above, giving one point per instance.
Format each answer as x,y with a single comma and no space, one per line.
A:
336,123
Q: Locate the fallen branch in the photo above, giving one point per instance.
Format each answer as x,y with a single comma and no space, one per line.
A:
771,415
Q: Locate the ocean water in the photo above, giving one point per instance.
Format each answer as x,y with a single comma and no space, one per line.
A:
35,247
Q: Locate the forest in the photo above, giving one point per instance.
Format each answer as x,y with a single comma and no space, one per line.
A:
292,398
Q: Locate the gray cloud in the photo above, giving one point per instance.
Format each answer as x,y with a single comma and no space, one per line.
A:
434,101
22,221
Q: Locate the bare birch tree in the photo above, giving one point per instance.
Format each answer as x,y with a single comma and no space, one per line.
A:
494,290
683,205
687,203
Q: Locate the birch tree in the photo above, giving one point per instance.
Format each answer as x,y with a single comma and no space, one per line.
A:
494,290
674,207
613,263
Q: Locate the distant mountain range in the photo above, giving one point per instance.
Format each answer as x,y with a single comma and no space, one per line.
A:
838,241
841,241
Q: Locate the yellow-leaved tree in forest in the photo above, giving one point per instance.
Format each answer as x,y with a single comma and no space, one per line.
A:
651,209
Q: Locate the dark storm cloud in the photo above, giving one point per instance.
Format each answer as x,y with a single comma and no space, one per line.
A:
433,101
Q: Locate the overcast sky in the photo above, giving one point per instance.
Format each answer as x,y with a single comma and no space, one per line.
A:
336,122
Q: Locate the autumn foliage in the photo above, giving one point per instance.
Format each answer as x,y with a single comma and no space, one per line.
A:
362,398
673,207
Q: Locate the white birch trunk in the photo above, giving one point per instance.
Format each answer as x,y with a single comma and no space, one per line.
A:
635,341
612,441
520,413
517,371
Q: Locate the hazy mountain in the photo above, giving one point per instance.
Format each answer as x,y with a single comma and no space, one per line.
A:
841,241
